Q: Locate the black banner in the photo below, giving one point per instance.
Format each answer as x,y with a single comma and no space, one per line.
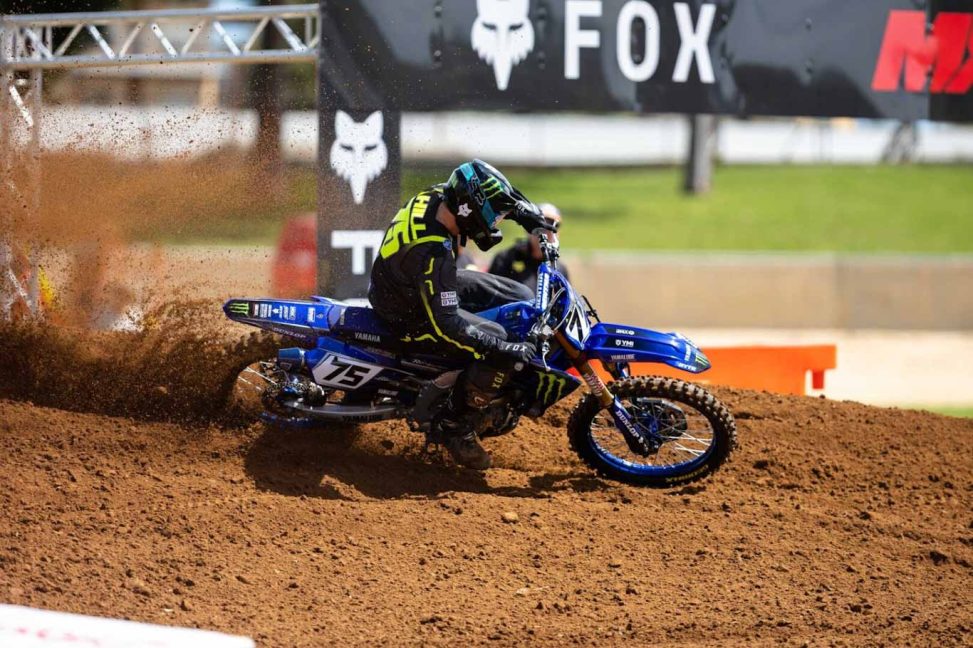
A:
359,185
738,57
359,167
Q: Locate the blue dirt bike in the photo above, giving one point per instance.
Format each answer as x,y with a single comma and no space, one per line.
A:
648,431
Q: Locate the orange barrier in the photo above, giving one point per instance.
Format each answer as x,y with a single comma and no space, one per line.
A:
777,369
294,271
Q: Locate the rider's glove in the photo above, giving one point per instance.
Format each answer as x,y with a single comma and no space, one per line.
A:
529,216
521,351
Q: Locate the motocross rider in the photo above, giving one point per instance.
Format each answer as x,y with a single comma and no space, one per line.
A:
416,289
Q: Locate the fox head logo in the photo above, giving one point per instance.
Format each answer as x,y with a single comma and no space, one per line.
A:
502,35
358,154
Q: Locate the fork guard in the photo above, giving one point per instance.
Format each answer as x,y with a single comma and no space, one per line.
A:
620,343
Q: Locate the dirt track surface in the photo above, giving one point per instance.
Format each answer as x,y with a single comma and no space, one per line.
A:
835,524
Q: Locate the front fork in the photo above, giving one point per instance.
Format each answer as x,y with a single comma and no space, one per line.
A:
637,440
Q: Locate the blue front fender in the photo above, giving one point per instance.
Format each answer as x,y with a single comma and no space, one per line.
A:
618,343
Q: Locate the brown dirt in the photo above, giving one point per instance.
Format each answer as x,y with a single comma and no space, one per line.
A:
90,197
93,205
180,367
836,524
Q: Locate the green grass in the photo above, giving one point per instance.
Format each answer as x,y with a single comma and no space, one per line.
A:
962,412
900,209
846,209
911,209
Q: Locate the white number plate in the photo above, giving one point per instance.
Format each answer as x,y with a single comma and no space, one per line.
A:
342,372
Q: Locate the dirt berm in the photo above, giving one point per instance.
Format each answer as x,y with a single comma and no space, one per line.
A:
835,524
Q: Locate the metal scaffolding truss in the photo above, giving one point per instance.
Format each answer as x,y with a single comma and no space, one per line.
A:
31,44
20,114
49,41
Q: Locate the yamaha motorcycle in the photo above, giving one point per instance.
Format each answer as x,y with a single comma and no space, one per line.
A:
349,368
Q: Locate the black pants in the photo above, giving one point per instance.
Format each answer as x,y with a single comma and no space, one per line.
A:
479,291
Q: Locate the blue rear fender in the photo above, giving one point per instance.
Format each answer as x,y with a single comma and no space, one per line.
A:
315,321
619,343
296,318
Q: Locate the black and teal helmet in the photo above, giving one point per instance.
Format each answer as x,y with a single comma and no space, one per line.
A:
480,197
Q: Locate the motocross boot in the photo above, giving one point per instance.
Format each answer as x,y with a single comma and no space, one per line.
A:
467,451
459,429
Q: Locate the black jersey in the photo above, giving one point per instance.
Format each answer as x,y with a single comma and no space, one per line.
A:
413,282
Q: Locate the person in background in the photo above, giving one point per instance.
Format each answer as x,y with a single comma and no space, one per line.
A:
520,262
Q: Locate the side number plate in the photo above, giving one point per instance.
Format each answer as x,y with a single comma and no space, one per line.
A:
343,373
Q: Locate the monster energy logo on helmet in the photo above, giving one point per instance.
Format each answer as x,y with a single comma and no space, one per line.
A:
492,187
480,197
545,386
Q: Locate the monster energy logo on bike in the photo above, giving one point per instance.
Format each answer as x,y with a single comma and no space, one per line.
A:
240,308
545,385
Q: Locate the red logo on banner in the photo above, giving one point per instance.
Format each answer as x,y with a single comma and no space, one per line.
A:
943,57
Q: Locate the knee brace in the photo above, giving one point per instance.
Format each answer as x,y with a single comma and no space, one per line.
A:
482,383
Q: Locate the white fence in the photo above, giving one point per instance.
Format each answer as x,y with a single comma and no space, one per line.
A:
537,139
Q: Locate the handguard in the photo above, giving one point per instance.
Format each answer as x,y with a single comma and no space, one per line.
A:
529,216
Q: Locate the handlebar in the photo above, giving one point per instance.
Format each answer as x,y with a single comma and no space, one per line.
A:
541,332
549,249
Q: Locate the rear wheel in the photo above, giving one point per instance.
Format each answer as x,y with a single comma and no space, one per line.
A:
254,385
261,390
693,431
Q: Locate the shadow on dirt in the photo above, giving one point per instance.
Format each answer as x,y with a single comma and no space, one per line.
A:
306,462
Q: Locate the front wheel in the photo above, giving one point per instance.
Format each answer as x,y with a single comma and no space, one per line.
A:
693,431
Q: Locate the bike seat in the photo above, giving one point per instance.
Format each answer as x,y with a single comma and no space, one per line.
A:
360,325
